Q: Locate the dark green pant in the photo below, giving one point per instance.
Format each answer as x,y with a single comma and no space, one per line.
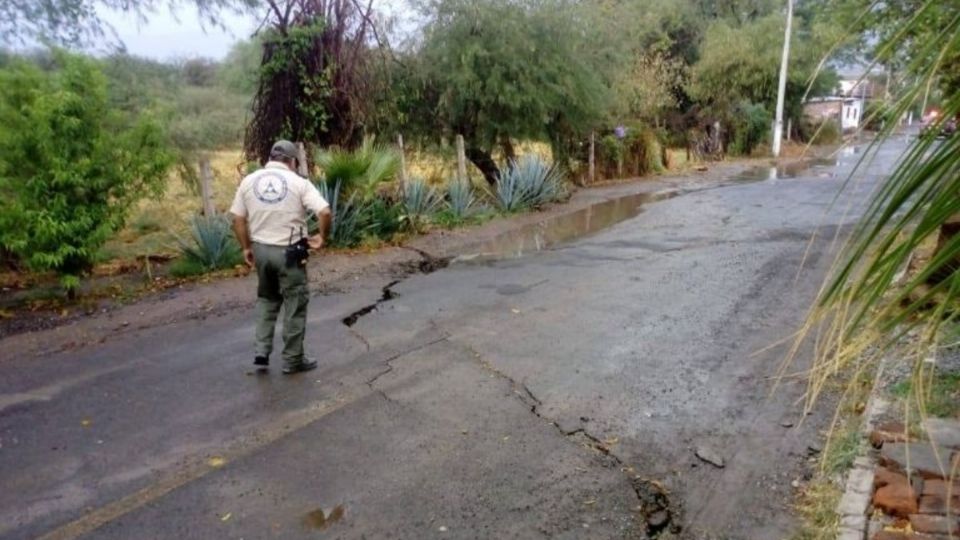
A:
280,286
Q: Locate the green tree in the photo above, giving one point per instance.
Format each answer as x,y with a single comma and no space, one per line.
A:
240,69
70,167
741,64
505,70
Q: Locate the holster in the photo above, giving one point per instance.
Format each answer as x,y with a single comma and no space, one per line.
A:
298,252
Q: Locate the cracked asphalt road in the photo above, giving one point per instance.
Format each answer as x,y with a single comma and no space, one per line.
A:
549,395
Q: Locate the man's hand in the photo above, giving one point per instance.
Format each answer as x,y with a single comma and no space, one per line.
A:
315,242
248,257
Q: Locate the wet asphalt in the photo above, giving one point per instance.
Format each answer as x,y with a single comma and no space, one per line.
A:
556,394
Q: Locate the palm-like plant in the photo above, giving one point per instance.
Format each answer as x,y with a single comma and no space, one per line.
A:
869,303
362,170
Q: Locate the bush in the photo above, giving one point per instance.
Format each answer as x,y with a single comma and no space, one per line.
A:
355,218
211,247
70,167
827,132
529,182
751,126
876,115
637,154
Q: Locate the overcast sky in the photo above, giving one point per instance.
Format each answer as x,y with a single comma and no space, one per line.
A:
165,36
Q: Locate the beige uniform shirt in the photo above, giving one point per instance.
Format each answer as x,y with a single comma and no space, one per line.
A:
275,201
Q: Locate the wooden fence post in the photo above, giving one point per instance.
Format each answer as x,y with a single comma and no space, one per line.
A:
302,168
206,186
461,160
592,169
403,161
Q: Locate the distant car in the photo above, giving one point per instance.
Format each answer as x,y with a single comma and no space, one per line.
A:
944,129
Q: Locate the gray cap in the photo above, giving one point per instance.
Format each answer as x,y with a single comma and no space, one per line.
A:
284,149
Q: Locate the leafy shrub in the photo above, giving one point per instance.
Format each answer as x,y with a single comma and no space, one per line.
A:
827,132
420,201
70,166
876,115
361,170
212,246
530,182
751,125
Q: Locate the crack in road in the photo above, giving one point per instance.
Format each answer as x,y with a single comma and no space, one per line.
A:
387,295
660,514
427,265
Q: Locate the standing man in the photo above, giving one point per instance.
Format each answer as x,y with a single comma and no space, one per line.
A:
270,219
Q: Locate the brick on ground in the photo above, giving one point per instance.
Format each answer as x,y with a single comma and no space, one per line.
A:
934,524
943,431
920,458
933,504
897,498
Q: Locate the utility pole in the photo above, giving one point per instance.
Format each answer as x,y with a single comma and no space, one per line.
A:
782,90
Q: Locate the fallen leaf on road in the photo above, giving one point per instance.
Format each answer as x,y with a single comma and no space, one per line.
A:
216,461
515,310
226,516
590,503
442,529
85,422
611,441
507,438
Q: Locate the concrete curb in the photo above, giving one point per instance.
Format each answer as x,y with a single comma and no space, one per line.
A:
853,506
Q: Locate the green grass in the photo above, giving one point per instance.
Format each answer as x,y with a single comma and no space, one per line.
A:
843,447
818,510
942,395
186,267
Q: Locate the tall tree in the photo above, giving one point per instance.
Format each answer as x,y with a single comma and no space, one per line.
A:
505,70
313,84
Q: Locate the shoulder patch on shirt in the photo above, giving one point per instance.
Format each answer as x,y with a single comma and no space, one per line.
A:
270,188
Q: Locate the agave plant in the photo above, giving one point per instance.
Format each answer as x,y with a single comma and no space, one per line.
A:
529,182
212,245
869,303
420,201
461,201
362,170
347,225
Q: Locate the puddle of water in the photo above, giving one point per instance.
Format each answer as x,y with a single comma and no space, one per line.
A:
562,228
319,521
789,170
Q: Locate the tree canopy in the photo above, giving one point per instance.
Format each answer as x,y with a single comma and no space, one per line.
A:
78,22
